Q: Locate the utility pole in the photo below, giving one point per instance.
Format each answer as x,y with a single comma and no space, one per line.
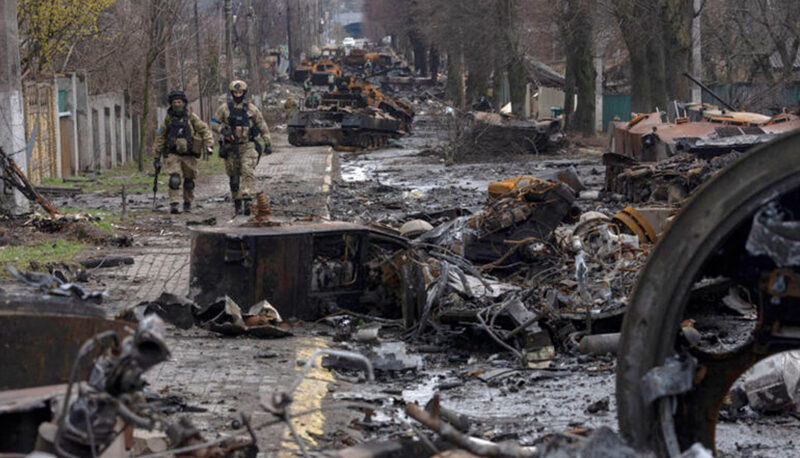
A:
697,59
12,118
199,62
228,41
317,28
289,41
252,65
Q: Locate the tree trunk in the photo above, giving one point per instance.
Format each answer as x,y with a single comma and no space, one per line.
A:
641,29
420,53
477,83
146,111
434,67
583,119
677,25
640,79
455,78
517,81
576,25
657,73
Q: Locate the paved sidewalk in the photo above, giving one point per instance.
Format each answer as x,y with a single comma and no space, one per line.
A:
295,179
223,375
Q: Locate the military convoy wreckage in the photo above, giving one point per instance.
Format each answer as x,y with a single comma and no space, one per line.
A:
718,290
680,350
355,115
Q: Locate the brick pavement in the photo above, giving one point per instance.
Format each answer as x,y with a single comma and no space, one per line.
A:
223,375
226,376
163,265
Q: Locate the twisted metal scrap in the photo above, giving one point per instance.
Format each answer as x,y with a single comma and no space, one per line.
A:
261,209
14,177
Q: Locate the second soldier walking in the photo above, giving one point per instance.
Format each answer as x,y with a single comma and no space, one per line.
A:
244,135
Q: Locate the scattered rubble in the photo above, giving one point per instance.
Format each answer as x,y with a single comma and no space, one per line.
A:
58,283
222,316
525,280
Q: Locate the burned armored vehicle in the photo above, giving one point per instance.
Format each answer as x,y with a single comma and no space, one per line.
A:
355,115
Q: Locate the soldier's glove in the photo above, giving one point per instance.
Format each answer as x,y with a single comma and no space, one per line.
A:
268,149
227,134
157,163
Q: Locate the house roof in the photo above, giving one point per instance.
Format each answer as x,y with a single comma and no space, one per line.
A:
542,74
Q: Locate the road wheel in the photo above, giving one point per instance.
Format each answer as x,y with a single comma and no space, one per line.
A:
705,240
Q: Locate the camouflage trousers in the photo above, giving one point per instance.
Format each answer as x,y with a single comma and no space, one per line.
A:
245,167
181,165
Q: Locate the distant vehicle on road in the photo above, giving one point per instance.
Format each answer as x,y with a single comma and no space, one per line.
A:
348,42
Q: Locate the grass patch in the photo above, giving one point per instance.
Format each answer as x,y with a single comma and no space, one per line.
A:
21,256
107,217
213,166
110,182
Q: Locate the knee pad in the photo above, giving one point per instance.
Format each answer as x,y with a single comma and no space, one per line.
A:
188,184
175,181
234,182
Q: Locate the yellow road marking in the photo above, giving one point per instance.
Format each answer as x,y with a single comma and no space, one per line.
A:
308,396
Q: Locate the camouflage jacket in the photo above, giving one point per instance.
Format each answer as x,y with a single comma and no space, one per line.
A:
221,121
201,135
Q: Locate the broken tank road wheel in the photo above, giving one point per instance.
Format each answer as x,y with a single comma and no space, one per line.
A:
708,244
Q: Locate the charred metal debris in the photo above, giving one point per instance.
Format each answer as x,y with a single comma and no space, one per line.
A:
530,271
661,157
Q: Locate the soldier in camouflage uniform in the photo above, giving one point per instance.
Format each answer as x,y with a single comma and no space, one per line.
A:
244,136
181,139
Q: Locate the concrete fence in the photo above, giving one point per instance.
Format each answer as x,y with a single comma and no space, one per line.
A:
76,132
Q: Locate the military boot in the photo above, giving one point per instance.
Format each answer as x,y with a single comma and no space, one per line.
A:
173,208
187,207
237,207
247,203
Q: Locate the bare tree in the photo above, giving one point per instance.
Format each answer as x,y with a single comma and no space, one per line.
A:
575,21
162,16
771,34
658,38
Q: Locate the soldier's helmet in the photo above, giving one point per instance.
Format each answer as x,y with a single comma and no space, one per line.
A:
176,95
238,85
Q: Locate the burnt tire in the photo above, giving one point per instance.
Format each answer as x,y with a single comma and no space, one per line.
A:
659,300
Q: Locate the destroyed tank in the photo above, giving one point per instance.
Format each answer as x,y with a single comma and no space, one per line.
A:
362,128
352,118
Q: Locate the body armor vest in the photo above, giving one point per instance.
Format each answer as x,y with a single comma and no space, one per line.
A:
239,122
179,135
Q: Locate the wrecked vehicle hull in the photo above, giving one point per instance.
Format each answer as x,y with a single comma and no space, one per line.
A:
648,138
717,237
308,271
28,360
342,128
493,132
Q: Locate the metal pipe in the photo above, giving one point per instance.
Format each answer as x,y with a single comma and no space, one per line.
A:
599,344
341,354
705,88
